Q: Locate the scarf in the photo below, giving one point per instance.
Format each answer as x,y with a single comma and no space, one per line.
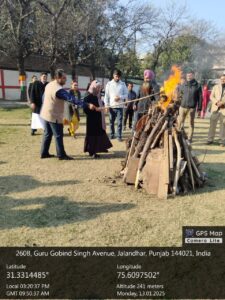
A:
93,89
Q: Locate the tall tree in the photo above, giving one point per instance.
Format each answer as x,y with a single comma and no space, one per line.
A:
17,27
170,22
48,27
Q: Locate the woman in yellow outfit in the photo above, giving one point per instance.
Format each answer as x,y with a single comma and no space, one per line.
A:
71,112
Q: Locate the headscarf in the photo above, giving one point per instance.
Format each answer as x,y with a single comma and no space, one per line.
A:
93,88
149,74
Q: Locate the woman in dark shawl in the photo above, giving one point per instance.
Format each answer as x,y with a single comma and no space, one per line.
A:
96,140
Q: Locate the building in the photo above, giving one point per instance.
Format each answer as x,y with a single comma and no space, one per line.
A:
34,65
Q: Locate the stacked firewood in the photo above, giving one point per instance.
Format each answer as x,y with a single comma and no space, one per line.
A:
159,157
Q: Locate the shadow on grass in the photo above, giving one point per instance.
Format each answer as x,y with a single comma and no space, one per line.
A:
78,134
216,178
2,162
22,183
215,151
203,143
51,211
42,212
200,136
115,154
110,155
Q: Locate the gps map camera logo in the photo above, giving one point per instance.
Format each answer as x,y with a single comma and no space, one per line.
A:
189,233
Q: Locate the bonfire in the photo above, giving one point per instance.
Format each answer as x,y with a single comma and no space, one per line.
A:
159,157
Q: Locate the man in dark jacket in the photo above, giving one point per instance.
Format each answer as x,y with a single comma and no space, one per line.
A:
33,79
190,95
36,95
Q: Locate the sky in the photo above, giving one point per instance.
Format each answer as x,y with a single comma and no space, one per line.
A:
211,10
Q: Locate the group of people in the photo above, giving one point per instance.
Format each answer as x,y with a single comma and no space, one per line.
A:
54,105
193,99
57,107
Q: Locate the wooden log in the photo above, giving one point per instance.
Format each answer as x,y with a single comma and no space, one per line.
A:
152,171
187,157
183,167
164,179
149,141
128,158
178,163
195,168
140,125
159,134
171,152
132,168
144,136
198,175
147,147
140,144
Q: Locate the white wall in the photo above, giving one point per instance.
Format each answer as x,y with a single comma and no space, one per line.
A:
12,87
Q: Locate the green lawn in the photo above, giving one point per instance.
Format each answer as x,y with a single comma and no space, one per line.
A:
84,202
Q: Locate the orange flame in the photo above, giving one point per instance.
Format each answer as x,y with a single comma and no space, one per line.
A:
170,85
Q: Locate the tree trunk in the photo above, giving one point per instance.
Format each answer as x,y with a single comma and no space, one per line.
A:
93,70
111,72
73,72
52,71
22,78
92,74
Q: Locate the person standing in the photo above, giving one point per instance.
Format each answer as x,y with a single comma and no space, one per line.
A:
205,100
33,79
75,91
218,112
177,92
71,112
190,95
115,94
52,113
128,110
96,140
36,99
146,89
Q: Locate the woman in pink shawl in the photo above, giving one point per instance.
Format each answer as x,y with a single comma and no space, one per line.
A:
96,140
205,100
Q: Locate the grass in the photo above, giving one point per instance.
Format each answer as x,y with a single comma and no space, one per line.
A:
84,202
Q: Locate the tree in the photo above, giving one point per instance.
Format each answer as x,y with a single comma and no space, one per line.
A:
17,23
48,41
85,38
130,64
167,28
122,29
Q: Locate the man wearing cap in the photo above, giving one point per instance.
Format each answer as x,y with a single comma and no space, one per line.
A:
190,95
218,112
115,94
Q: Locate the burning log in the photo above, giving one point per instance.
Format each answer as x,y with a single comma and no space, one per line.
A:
160,159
